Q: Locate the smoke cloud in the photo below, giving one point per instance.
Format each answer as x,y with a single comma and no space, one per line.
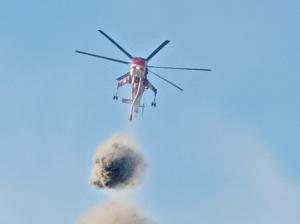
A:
117,164
115,212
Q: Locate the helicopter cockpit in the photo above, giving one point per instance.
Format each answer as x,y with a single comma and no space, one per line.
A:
137,71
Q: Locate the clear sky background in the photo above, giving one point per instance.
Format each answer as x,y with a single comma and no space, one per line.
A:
226,150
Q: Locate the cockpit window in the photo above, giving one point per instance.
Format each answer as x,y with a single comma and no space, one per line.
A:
137,71
138,68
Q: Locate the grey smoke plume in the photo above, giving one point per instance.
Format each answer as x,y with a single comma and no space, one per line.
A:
114,212
117,164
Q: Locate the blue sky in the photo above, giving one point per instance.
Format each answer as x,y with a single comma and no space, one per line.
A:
228,145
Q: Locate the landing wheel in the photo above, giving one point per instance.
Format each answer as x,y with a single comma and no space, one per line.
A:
115,97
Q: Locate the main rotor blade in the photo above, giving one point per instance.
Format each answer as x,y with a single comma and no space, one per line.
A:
157,49
107,58
123,76
165,80
180,68
115,43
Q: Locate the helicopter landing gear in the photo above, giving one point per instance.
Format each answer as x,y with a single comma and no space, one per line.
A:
115,97
153,104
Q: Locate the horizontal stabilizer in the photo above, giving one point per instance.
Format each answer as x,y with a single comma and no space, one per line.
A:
129,101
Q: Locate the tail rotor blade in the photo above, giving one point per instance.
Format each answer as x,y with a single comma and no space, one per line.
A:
180,68
157,49
116,44
165,80
103,57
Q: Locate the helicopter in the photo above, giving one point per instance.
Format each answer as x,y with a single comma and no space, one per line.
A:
137,76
